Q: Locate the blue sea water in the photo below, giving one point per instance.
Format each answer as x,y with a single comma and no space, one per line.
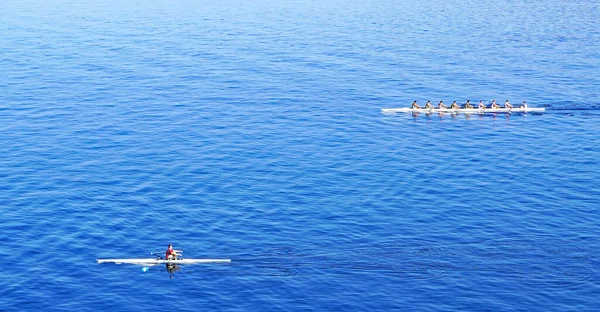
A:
253,131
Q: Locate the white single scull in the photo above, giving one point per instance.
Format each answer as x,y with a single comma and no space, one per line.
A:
156,261
463,110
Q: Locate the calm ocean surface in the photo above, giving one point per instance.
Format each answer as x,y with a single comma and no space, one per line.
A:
253,131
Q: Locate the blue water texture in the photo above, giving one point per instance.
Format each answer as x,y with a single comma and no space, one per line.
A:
252,131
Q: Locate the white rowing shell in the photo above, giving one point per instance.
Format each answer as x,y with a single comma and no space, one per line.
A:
151,261
463,110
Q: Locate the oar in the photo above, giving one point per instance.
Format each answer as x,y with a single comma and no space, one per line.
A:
160,253
178,254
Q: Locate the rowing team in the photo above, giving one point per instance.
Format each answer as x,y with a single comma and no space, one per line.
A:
467,105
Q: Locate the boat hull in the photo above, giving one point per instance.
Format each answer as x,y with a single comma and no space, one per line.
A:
153,261
463,110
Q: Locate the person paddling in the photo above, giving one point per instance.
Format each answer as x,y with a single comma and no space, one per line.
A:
415,105
524,105
428,105
468,104
507,105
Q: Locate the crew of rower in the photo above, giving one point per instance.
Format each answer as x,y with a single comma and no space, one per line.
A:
467,105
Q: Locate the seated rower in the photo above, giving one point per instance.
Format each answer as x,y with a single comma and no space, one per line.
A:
454,105
171,254
494,105
415,105
507,105
481,105
468,104
524,105
428,105
441,105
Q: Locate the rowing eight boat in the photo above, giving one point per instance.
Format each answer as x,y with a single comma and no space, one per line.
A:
155,261
463,110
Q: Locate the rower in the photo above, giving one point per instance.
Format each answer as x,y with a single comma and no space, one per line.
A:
507,105
415,105
494,105
468,104
481,105
171,253
524,105
428,105
441,105
454,105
